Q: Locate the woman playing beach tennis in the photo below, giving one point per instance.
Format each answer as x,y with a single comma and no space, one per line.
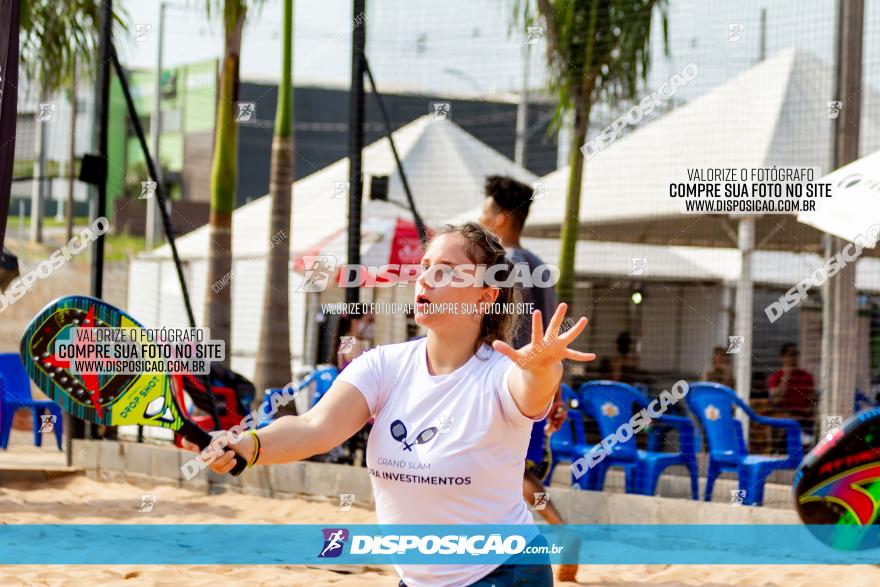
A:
453,411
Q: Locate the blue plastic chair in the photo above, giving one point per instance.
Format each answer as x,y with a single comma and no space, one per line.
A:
611,403
713,404
15,393
568,444
570,397
323,378
862,402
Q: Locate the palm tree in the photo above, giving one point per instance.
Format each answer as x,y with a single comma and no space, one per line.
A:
595,48
53,36
224,173
273,356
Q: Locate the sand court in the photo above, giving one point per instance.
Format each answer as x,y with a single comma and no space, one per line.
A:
79,500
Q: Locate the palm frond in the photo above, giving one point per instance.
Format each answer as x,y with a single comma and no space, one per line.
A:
600,47
54,34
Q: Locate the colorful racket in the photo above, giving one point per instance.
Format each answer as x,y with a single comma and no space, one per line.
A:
839,481
108,399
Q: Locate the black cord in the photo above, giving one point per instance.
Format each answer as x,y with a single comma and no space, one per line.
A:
420,225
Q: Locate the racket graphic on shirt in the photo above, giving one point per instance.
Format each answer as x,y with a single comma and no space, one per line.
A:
398,433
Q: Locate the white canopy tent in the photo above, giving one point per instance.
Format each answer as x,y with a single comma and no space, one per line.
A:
779,269
855,204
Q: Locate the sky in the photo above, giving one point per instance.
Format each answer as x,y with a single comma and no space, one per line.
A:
471,47
412,48
466,46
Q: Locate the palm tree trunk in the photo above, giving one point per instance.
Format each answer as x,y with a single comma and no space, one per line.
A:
582,94
273,355
68,210
224,178
571,224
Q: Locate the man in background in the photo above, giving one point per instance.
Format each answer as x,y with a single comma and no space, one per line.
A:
793,390
720,370
505,210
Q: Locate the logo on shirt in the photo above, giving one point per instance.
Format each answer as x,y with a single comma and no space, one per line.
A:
446,423
399,433
334,540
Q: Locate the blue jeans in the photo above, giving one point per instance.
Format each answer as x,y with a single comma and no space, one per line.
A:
518,575
508,575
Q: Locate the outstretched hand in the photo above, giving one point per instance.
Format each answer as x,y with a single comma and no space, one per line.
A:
547,349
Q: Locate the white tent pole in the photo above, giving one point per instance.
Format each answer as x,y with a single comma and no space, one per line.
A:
827,327
838,400
522,111
310,357
844,320
152,228
744,303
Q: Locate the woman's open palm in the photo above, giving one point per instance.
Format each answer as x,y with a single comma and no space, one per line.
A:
548,348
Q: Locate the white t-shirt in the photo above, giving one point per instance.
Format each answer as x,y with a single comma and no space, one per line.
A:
444,449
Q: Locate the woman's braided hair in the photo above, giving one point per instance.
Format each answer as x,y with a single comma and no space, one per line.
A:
483,248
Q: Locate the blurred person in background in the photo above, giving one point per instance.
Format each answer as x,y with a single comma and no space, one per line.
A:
625,365
351,340
354,337
505,210
793,390
720,371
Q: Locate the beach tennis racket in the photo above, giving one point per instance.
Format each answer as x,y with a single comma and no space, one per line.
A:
107,399
423,437
398,433
838,482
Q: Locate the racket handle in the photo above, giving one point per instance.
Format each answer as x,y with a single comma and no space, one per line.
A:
202,438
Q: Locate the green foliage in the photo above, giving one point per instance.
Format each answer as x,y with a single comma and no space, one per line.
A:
54,34
595,48
231,9
119,247
22,168
137,173
52,168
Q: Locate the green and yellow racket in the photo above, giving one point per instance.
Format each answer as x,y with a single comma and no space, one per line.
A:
109,399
